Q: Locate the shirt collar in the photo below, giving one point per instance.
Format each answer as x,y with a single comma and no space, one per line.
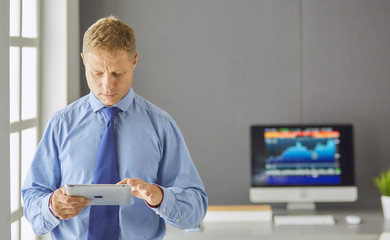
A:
123,104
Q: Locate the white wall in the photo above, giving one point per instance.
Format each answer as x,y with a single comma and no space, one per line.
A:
60,74
60,69
53,44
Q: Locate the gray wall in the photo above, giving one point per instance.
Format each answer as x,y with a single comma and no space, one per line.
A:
220,66
5,214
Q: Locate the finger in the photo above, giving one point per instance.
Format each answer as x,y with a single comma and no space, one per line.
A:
144,190
73,200
66,211
60,196
69,214
72,205
147,192
130,181
57,195
135,181
153,194
87,202
124,181
136,191
65,206
62,190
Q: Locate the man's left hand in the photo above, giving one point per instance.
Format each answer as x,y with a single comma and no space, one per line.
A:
151,193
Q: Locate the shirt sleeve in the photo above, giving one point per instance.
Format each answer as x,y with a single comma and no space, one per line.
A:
185,200
42,180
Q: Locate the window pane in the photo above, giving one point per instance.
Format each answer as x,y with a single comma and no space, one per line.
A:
14,83
15,230
14,171
29,142
14,23
29,18
27,232
29,82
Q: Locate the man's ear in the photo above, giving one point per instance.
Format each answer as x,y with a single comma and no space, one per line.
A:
83,57
135,60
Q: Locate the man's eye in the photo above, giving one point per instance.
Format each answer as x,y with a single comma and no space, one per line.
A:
117,74
96,74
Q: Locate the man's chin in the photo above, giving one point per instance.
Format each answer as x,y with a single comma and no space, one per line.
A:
109,100
108,103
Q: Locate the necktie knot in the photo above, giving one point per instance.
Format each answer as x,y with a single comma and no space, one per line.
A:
110,113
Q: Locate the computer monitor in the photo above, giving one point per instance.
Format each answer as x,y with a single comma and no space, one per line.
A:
301,164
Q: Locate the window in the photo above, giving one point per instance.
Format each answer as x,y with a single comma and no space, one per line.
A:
24,110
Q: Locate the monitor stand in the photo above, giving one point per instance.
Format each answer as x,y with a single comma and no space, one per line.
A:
296,208
302,213
301,207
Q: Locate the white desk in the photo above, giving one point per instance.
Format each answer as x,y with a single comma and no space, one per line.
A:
372,225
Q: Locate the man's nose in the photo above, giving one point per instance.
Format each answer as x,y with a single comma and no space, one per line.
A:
108,82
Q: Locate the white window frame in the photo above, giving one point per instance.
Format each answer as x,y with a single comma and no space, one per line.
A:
54,90
20,125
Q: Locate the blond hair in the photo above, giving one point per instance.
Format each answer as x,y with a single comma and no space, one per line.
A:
109,34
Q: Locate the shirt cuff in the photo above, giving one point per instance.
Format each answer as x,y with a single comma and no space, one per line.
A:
166,208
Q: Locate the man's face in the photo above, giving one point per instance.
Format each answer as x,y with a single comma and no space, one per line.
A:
109,75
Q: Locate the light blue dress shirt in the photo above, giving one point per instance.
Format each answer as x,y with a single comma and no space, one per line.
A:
149,146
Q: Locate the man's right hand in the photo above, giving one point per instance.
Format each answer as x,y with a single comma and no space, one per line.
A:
66,207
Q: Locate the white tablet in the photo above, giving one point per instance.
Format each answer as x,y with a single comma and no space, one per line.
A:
101,194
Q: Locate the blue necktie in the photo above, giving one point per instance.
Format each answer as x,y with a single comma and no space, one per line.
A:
104,220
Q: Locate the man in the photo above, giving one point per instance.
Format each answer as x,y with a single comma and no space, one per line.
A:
151,154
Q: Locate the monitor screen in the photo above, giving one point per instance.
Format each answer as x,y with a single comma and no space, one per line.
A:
304,155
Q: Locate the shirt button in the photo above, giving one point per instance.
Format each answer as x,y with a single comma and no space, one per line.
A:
164,209
177,220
